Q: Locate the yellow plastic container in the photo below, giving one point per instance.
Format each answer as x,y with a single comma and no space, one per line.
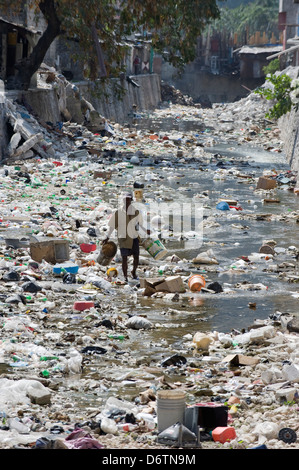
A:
112,272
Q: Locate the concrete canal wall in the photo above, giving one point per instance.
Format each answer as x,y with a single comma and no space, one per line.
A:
289,127
146,96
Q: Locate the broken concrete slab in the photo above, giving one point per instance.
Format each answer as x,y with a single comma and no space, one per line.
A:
28,144
53,251
39,396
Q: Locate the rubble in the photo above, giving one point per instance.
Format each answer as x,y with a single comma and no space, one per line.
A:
170,93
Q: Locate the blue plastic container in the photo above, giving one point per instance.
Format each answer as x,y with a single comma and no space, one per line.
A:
70,269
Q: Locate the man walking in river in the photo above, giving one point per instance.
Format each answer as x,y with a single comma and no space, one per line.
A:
126,220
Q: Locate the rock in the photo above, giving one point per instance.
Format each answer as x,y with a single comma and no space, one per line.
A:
261,334
39,396
291,373
293,325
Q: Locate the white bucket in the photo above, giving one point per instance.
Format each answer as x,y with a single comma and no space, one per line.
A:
155,248
171,405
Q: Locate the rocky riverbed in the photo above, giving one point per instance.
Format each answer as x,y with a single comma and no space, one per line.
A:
81,379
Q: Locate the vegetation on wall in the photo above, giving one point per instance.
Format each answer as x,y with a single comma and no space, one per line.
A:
283,92
272,67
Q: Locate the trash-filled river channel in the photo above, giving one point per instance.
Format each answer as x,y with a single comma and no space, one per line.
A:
245,247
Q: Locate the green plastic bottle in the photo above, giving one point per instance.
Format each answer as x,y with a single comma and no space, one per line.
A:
48,358
121,337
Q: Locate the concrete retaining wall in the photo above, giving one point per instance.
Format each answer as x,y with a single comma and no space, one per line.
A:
146,97
289,127
3,138
44,102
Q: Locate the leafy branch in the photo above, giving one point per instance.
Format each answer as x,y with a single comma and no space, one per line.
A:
283,91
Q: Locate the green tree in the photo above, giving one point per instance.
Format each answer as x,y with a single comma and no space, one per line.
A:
258,15
101,26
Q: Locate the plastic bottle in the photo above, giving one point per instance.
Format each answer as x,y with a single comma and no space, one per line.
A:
267,429
47,358
126,427
108,426
147,419
16,424
3,417
121,337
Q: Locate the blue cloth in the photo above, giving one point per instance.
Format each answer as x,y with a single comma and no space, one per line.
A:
131,251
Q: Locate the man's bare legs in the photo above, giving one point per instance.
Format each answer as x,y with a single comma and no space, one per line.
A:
135,266
125,267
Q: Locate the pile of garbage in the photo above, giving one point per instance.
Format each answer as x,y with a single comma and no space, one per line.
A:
80,363
237,391
170,94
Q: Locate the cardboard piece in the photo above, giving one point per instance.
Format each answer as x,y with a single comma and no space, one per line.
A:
266,183
102,174
150,281
240,360
170,285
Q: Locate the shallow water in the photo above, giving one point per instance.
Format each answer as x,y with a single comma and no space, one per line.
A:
224,312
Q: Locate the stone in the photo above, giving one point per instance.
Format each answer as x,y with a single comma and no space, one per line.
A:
293,325
39,396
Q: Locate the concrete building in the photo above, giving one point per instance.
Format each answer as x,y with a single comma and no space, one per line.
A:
16,43
254,58
289,26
